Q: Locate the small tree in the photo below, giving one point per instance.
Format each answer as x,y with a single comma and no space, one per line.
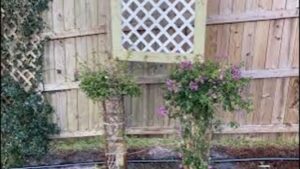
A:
109,84
194,93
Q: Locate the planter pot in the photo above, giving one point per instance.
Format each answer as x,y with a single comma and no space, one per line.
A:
114,130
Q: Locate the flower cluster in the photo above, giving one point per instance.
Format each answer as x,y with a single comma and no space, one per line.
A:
172,86
186,65
194,76
162,111
236,72
193,86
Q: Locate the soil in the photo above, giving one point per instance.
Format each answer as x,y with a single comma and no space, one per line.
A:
67,157
270,151
256,153
272,165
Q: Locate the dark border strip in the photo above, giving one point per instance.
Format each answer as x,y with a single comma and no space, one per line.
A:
234,160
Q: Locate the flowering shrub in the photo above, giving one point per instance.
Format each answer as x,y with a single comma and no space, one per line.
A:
194,93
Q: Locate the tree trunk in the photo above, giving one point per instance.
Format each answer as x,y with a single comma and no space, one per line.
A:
114,130
190,144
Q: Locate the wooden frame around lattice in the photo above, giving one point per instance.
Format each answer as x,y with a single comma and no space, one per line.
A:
158,30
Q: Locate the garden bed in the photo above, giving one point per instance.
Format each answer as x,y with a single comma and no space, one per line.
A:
162,149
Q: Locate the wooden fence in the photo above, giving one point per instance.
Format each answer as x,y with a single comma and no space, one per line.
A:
261,33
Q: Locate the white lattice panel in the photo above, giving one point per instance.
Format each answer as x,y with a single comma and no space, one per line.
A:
165,26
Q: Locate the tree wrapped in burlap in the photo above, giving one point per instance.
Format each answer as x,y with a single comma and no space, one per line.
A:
108,85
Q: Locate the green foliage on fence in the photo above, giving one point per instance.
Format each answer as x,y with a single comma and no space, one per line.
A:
25,115
25,124
22,43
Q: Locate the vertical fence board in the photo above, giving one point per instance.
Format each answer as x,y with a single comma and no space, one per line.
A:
69,24
71,94
292,108
211,31
260,49
82,107
223,41
235,47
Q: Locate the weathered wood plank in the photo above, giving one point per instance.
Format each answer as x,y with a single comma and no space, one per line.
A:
70,64
223,38
295,62
292,107
60,97
271,73
259,57
83,109
261,129
282,85
211,31
252,16
272,62
86,11
235,47
70,75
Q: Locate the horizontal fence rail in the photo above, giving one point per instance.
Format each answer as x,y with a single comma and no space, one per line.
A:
255,74
245,129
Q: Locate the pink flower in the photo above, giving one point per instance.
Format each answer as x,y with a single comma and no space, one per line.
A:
236,72
186,65
162,111
172,86
193,86
210,167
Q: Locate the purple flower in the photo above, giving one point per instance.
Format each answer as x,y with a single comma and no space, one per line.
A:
186,65
162,111
194,86
210,167
172,85
236,72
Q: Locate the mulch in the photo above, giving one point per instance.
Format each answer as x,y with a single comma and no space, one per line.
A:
67,157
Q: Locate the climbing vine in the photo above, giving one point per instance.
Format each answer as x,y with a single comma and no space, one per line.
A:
22,42
195,92
25,114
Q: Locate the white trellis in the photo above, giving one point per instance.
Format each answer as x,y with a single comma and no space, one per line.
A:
158,30
162,26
